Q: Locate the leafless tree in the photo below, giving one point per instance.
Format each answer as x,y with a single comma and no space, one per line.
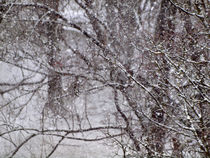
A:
150,57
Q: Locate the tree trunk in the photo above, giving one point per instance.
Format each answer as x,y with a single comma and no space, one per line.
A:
164,32
55,102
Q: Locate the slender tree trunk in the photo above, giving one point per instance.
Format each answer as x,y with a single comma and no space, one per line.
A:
164,33
55,103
